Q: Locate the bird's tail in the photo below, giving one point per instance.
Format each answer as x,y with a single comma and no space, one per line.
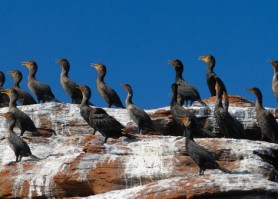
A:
129,136
34,157
224,170
55,100
203,103
44,132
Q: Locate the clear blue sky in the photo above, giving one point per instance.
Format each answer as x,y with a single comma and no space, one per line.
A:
135,40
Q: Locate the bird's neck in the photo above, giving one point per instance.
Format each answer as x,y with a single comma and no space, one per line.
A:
65,73
100,77
32,74
275,69
189,134
128,100
16,83
179,74
11,126
218,101
210,67
12,102
259,102
85,101
174,98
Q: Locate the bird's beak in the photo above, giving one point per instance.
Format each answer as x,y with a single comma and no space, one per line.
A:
81,88
249,90
5,115
25,63
184,120
96,66
11,73
124,86
172,63
203,58
7,92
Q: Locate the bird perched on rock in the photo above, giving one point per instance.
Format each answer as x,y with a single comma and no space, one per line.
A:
85,108
17,144
186,92
201,156
274,63
178,111
266,121
100,120
68,85
4,99
108,94
229,126
138,115
40,90
23,121
211,76
24,97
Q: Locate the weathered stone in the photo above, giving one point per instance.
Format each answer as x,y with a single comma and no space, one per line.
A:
76,164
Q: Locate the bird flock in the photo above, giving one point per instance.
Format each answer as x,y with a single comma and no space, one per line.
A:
184,93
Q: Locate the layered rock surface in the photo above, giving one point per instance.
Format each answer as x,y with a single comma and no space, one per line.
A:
76,164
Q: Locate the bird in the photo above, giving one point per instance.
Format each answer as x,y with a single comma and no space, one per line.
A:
17,144
274,63
101,121
108,94
24,97
201,156
186,92
23,121
138,115
266,121
229,126
85,108
178,111
210,74
4,99
40,90
68,85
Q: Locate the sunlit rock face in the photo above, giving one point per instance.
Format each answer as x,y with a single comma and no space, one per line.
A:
76,164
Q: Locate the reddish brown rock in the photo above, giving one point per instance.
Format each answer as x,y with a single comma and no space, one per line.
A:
76,164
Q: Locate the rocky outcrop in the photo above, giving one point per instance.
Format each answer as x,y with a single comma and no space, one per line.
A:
75,163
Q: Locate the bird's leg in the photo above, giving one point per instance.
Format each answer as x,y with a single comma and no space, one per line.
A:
16,159
20,157
262,137
105,139
201,172
94,132
22,132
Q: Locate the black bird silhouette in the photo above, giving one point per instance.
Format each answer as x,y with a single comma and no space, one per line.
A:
201,156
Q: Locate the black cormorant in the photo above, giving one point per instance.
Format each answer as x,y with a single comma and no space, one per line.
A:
68,85
186,92
108,94
41,91
101,121
266,121
211,76
274,63
24,97
138,115
229,126
4,99
17,144
178,111
201,156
